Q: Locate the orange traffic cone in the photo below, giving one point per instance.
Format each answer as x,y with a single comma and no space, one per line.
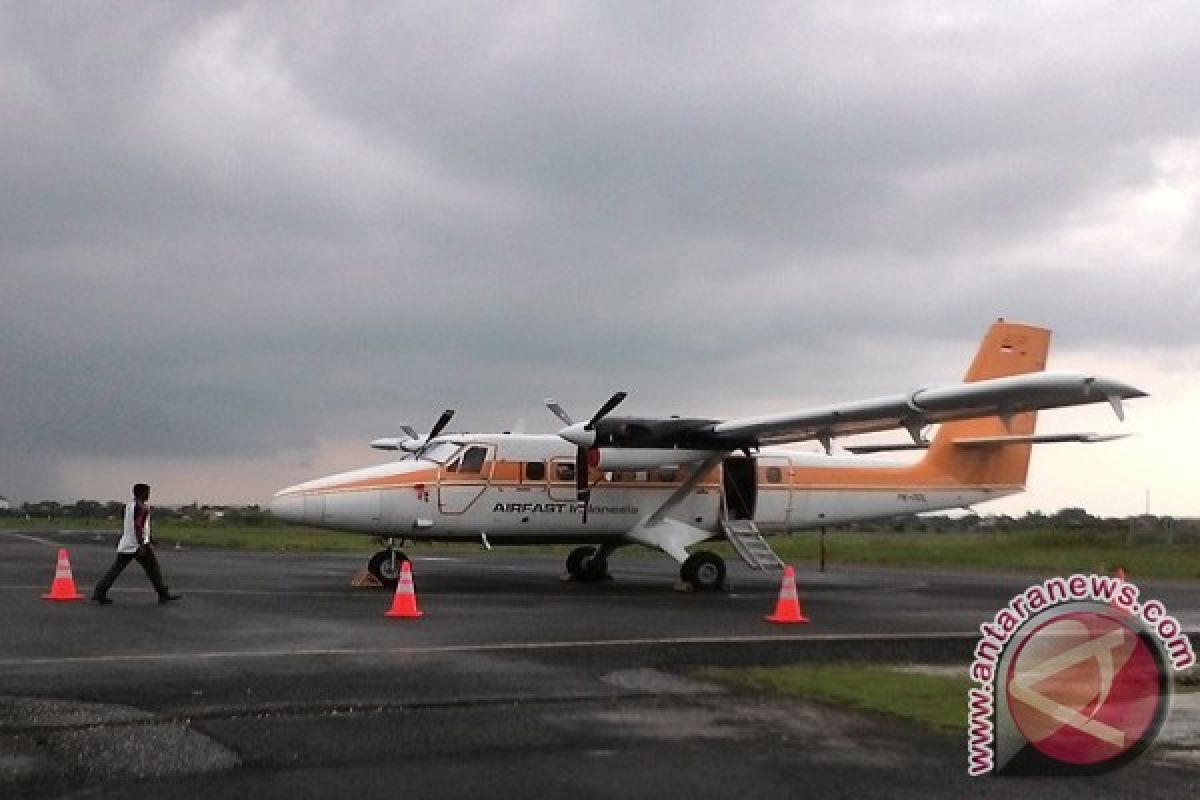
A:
404,604
63,587
788,607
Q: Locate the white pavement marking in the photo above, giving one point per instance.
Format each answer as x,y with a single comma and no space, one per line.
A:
475,648
37,539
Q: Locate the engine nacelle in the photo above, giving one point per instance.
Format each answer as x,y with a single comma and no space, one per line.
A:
608,459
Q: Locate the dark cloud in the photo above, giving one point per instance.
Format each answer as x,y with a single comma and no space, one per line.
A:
230,234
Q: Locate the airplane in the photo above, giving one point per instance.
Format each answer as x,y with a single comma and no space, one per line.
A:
671,483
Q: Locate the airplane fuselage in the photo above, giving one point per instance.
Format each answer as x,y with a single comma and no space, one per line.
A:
518,488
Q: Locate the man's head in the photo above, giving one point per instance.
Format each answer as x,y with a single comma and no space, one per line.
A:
141,491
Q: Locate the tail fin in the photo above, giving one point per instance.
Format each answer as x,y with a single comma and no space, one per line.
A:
1008,349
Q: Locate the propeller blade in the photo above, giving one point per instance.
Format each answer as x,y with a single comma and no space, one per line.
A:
558,411
438,427
612,403
441,424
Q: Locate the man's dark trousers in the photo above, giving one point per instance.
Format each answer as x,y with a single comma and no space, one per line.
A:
144,556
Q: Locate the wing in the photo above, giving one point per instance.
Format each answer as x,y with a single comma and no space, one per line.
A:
992,441
1002,397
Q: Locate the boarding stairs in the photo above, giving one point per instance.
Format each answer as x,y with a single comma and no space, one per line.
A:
749,543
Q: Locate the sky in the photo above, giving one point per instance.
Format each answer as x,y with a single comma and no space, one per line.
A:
237,243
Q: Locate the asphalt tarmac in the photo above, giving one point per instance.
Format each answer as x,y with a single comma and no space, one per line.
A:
273,677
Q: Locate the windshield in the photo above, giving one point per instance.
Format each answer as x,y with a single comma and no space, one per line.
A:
441,452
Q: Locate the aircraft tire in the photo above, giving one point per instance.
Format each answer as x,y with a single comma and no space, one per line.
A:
704,571
380,566
583,564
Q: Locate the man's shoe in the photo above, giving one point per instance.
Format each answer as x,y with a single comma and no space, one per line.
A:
166,598
102,601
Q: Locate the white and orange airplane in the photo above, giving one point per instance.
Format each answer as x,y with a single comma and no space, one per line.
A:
671,483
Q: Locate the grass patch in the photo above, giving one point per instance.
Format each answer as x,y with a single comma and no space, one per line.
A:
294,538
276,538
1048,551
270,536
1043,551
935,702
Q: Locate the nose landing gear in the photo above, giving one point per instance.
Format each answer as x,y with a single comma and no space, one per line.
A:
385,565
588,564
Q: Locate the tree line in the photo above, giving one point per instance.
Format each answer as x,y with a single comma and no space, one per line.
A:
114,510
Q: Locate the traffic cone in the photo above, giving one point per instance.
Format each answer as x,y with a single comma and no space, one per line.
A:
404,604
63,587
788,607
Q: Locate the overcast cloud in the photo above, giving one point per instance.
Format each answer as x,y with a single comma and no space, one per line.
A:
240,240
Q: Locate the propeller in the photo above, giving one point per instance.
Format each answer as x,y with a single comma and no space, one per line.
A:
412,443
583,436
438,427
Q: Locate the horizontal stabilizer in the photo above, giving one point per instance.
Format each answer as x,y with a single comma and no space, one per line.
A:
864,449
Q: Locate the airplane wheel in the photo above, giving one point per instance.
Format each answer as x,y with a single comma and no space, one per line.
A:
705,571
584,564
382,568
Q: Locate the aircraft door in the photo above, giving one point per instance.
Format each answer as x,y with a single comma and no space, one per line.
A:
774,491
740,484
464,479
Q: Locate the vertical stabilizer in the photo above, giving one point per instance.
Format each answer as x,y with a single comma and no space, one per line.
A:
1008,349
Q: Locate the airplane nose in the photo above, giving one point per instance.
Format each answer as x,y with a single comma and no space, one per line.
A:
288,506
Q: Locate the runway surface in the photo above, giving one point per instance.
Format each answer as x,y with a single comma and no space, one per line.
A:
273,676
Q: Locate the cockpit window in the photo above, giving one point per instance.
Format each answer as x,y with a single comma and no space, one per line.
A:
441,452
472,460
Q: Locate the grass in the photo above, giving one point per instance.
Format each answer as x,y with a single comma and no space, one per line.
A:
266,537
1049,551
1041,551
933,701
936,702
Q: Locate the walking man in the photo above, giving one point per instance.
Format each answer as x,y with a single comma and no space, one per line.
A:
136,544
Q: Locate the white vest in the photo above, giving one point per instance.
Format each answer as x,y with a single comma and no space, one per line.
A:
129,541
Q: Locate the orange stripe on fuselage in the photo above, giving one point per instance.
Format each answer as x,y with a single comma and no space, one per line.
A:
403,480
878,478
795,478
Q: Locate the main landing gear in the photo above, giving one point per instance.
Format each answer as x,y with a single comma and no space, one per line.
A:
385,565
703,571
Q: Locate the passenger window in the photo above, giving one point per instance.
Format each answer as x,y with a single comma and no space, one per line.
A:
564,471
774,475
535,471
667,474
